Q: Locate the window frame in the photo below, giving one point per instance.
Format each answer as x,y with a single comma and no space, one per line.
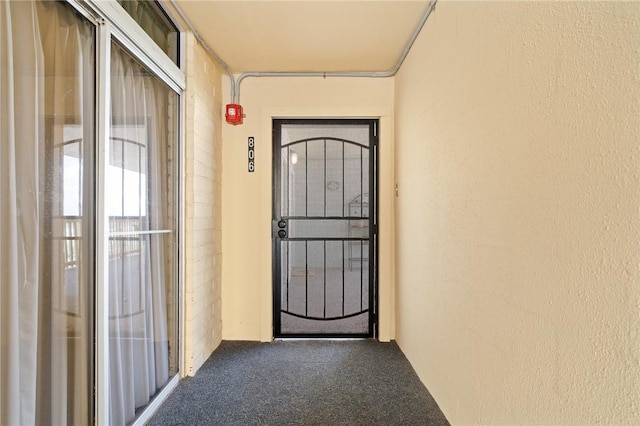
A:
112,22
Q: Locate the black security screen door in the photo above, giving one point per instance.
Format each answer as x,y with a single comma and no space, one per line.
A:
324,223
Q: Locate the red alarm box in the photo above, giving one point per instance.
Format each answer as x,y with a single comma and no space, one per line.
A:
234,114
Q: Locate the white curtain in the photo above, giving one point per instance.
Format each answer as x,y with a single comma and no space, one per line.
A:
141,263
46,87
47,176
21,66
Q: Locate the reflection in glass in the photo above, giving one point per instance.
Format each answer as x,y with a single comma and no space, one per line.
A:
155,23
142,229
47,100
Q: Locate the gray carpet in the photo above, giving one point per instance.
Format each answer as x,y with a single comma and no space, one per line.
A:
362,382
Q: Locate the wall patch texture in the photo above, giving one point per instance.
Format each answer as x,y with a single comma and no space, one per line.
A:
518,226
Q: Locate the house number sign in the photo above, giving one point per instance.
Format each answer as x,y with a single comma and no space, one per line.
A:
252,154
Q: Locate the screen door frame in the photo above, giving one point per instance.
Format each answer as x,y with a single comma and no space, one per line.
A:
277,196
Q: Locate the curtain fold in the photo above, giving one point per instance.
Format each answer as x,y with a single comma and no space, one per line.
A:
65,306
46,73
20,129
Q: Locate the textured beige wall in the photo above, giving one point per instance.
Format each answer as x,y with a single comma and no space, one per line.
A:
518,160
203,214
247,270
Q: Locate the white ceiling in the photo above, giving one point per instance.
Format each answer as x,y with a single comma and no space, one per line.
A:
306,35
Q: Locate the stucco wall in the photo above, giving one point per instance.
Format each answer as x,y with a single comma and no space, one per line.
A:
518,163
247,197
203,214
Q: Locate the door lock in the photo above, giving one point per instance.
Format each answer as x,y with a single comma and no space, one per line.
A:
282,233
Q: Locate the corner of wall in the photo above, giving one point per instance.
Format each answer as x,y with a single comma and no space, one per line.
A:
203,212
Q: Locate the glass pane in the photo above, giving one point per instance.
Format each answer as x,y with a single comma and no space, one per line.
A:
328,228
335,279
295,278
155,23
141,206
286,170
47,110
334,187
297,184
315,271
127,189
315,178
356,180
357,277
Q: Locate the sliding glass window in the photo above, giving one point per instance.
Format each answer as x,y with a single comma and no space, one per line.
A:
88,245
47,135
142,236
